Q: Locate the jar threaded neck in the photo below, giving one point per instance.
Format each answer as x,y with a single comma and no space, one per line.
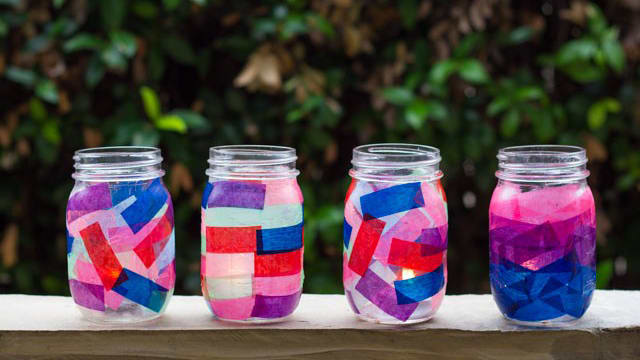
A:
252,162
118,163
395,162
542,163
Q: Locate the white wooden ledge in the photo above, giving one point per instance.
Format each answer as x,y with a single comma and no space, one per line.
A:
323,327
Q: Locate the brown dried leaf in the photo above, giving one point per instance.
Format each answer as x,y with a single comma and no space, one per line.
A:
342,3
577,13
5,136
231,19
262,71
475,15
9,246
352,39
23,148
92,137
64,105
180,179
331,153
198,106
52,64
596,151
424,9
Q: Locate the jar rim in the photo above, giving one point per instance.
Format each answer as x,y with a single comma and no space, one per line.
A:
395,162
395,155
541,156
117,163
540,163
252,162
252,154
128,157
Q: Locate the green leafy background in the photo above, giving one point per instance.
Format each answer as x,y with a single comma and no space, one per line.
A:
322,76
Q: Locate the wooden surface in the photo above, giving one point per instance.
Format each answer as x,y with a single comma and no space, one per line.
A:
323,327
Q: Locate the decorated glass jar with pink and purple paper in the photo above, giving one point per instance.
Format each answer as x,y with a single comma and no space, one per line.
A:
120,237
252,233
542,231
395,234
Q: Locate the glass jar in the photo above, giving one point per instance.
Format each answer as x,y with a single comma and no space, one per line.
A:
252,233
542,232
395,234
120,237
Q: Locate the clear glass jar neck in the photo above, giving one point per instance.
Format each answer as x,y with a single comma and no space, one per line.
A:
252,162
118,163
395,163
542,163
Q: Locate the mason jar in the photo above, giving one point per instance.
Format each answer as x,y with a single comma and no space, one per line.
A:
395,234
542,235
252,233
120,237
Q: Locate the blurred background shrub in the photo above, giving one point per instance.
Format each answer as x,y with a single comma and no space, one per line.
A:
322,76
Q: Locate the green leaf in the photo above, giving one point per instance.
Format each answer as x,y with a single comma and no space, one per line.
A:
150,102
310,104
145,9
543,124
320,23
58,3
473,71
468,44
37,110
124,42
416,113
441,71
604,273
263,27
437,110
147,136
192,119
498,105
51,132
47,91
113,58
518,36
398,95
37,43
179,50
112,13
83,41
95,72
510,123
292,26
596,21
408,12
526,93
576,50
4,28
584,72
171,4
21,76
597,114
171,123
613,51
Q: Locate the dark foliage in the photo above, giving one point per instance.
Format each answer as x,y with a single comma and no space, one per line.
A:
323,76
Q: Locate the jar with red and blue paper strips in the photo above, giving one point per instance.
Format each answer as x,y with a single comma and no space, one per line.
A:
120,236
542,235
252,233
395,234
